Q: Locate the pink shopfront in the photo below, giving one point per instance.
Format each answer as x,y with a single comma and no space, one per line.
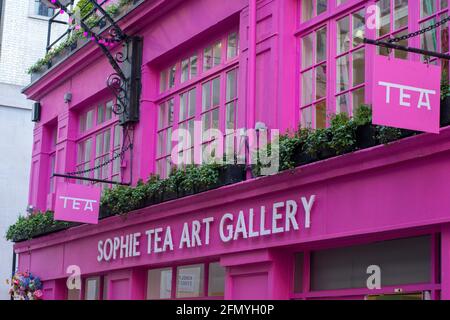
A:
314,232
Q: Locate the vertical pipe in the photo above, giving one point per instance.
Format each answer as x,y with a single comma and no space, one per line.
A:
252,64
13,266
251,92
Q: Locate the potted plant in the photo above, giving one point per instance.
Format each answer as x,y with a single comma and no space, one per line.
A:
445,101
343,138
386,135
366,132
317,144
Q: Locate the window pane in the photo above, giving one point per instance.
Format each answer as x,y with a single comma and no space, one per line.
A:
358,67
172,73
321,44
358,27
403,261
398,53
343,40
100,114
358,98
159,284
343,104
108,111
321,81
428,40
192,102
193,66
92,289
216,281
232,48
321,114
321,6
207,59
298,273
427,8
89,119
184,70
444,35
206,96
217,53
385,16
342,77
307,90
306,117
232,85
190,281
307,49
163,81
230,115
307,10
400,14
216,91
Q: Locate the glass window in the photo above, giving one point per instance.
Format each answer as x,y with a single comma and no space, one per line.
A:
350,62
190,281
216,281
92,289
313,76
40,9
298,272
212,56
164,140
159,284
312,8
189,68
404,261
232,45
393,23
73,294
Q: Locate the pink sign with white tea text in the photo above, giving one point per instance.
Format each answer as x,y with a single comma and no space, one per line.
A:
406,94
77,203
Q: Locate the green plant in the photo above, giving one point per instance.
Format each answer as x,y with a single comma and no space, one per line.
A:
316,141
362,115
445,86
388,134
343,136
84,6
38,223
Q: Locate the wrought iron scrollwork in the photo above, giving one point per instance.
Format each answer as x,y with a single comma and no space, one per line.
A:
118,86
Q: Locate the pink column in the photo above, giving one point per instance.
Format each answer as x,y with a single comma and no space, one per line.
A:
39,170
445,262
54,290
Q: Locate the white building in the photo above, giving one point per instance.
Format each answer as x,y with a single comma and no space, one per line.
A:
23,39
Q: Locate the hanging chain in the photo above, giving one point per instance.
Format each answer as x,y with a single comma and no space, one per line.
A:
107,162
419,32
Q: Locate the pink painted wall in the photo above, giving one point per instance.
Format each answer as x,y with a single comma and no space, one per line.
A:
407,180
398,187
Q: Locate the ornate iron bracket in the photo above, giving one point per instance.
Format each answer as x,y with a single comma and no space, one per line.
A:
126,77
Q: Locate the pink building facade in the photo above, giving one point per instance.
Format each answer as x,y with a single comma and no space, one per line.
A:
311,233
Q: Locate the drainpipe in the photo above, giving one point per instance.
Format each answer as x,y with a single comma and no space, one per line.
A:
251,72
13,266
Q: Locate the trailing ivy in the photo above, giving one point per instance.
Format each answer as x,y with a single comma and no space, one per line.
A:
113,10
35,224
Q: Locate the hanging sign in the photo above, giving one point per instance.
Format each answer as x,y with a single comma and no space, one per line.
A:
77,203
406,94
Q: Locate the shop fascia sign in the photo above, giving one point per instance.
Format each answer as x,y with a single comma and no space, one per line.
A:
77,203
281,217
406,94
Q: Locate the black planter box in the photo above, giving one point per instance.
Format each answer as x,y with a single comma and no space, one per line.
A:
299,157
366,136
325,152
233,173
105,212
445,112
168,196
